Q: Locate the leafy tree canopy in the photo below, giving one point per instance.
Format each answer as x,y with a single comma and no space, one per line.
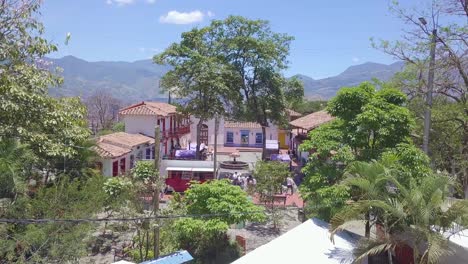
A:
368,122
221,197
51,126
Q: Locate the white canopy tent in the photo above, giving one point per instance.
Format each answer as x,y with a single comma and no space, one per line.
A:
306,243
459,246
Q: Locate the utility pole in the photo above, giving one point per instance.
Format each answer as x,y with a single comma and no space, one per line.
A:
430,87
215,151
157,140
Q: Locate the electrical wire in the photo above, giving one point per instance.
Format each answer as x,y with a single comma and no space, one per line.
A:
131,219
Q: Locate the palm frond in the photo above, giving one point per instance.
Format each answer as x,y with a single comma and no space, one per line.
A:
368,247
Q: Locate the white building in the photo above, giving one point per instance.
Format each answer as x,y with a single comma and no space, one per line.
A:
143,117
241,134
119,151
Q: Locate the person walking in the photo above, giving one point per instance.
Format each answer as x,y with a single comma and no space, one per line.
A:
290,184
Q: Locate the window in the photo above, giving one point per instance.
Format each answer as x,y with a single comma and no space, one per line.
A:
258,138
244,137
186,175
115,168
132,161
148,153
122,166
230,137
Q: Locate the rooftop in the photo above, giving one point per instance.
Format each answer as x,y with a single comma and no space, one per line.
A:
230,124
120,143
293,113
149,108
312,121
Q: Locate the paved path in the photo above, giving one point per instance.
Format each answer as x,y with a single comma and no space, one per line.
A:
293,200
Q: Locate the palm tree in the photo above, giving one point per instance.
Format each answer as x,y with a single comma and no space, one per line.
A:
415,216
368,181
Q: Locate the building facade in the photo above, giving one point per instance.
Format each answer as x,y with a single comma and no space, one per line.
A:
143,117
119,152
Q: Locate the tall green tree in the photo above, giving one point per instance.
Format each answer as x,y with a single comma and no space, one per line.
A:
368,123
51,126
257,56
199,76
446,18
270,177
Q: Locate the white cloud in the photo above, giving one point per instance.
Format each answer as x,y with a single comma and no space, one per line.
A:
210,14
149,50
181,18
356,59
120,2
151,1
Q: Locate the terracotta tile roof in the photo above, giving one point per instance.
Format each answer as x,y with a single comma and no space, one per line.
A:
312,121
120,143
149,108
293,113
229,124
106,150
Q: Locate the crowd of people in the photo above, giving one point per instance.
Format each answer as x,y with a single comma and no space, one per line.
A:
242,180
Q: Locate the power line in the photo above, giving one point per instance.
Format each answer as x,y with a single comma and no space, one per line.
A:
131,219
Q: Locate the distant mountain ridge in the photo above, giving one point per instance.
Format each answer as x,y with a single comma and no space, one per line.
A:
352,76
127,81
139,80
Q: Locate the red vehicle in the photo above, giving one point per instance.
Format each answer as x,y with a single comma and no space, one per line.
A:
179,178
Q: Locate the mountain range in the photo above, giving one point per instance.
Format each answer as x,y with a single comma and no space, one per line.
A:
139,80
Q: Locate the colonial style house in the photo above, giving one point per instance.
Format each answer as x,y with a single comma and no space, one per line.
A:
119,151
143,117
301,128
241,134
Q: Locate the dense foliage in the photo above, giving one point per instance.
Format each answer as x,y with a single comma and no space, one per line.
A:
51,242
368,122
224,199
419,216
235,64
448,138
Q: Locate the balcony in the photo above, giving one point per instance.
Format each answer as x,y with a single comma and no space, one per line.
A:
182,130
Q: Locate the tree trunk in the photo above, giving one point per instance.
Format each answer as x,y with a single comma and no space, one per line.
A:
197,150
215,148
390,258
367,231
264,143
464,167
147,245
140,249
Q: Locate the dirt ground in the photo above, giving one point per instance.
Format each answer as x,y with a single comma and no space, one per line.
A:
260,234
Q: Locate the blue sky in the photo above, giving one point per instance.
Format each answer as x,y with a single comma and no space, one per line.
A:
329,35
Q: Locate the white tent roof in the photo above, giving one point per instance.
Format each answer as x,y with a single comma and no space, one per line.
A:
306,243
123,262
